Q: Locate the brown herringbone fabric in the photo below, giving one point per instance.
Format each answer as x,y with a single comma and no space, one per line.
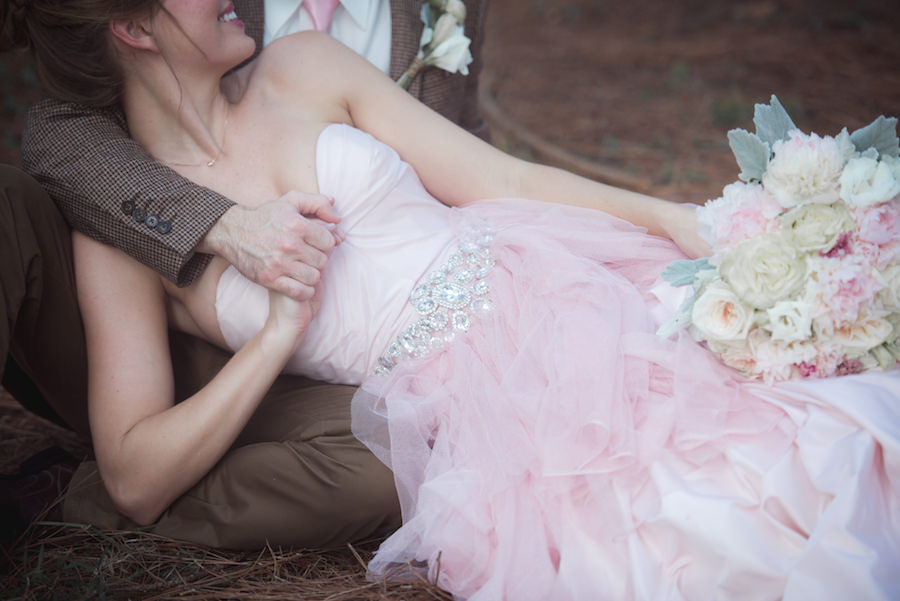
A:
108,187
85,160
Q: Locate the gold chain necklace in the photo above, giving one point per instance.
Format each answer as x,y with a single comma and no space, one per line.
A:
213,160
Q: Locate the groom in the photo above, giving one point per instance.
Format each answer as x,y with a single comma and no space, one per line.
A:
296,475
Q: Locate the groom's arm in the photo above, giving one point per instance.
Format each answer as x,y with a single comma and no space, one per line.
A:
108,187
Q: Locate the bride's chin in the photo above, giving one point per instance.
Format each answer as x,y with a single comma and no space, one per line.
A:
247,50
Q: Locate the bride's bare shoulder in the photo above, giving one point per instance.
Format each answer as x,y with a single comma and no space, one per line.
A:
299,59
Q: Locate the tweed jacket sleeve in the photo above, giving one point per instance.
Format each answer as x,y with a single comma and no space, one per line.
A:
108,187
454,96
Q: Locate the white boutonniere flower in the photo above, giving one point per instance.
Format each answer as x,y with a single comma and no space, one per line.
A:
443,43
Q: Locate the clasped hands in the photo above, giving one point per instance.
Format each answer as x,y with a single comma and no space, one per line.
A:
282,245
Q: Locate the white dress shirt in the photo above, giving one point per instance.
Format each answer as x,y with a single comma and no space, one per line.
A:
363,25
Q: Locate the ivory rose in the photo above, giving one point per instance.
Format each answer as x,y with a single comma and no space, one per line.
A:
764,270
804,168
720,316
816,227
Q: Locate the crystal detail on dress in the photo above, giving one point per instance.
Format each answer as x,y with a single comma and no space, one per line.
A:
446,300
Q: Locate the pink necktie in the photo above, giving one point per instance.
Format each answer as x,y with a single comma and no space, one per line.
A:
320,11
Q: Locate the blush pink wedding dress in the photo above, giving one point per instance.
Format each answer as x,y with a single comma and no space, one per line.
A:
546,444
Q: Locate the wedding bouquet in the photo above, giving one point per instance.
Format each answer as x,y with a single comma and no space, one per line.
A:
804,279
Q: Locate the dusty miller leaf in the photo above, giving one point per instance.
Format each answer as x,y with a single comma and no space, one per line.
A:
751,152
683,273
880,134
772,121
680,320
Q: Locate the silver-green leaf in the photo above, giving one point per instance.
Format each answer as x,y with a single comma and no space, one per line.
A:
751,152
772,121
880,134
683,273
680,320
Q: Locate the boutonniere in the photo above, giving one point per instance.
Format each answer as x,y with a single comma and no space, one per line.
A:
444,43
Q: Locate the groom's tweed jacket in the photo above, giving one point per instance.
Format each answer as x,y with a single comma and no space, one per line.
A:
108,187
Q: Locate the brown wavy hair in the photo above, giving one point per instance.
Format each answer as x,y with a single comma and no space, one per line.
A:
71,44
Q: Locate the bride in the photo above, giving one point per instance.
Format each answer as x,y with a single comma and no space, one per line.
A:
545,443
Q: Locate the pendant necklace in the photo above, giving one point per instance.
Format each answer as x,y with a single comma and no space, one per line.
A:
213,160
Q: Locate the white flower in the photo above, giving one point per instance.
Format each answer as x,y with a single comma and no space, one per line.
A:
889,295
790,321
866,182
719,314
863,334
457,9
764,270
452,54
815,227
804,169
893,164
444,27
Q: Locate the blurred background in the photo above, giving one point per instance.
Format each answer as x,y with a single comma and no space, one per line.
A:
642,93
649,88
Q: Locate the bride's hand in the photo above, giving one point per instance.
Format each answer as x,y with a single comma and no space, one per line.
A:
682,227
288,321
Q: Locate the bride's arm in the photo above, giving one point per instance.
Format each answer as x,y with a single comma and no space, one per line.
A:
149,449
457,167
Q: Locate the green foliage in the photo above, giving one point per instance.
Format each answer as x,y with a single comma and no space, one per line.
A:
881,135
683,273
772,121
751,153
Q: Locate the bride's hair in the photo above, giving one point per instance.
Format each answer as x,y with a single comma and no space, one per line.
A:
71,44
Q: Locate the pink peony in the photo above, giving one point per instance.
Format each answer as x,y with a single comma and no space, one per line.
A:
879,224
743,211
840,287
804,168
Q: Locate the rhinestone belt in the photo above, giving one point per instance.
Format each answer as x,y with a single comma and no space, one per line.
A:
446,300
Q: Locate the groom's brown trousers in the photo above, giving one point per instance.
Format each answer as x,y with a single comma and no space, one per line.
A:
295,475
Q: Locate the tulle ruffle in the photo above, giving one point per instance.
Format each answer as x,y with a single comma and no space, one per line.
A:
561,450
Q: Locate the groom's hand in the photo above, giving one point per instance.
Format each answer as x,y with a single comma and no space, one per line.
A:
282,245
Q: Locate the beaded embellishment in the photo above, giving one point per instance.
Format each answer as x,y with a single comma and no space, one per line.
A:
446,300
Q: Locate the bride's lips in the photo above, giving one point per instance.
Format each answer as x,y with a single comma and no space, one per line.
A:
229,16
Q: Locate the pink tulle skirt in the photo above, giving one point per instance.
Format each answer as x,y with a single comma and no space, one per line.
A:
561,450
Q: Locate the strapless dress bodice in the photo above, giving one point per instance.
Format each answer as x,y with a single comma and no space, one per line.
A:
395,232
